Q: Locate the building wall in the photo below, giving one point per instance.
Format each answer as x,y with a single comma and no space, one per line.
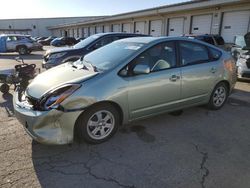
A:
37,27
216,13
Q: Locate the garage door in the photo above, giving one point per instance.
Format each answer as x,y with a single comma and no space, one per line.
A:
155,28
126,27
91,30
176,26
99,29
85,32
71,32
106,28
116,27
75,33
140,27
80,32
201,24
234,23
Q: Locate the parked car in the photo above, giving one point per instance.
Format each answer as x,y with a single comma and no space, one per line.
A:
54,57
126,80
47,41
241,52
23,44
79,39
63,41
216,40
41,38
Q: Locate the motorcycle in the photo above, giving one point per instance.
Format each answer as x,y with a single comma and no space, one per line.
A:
19,76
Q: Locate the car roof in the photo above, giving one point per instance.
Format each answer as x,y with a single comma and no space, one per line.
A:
15,35
147,40
199,35
120,33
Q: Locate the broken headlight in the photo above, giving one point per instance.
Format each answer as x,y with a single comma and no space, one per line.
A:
54,98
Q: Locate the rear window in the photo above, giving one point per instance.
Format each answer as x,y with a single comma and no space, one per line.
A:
193,53
206,39
219,40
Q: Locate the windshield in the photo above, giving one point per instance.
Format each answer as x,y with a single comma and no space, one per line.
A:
109,56
240,41
86,41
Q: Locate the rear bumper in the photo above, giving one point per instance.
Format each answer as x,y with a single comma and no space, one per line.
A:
47,127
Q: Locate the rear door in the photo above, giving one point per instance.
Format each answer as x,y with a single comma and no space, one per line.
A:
199,71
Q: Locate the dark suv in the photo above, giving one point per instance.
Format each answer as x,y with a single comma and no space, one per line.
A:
215,40
63,41
58,56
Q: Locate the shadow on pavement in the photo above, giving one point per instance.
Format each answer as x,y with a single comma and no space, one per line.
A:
7,104
25,57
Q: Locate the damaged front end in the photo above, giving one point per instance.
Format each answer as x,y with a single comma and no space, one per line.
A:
45,119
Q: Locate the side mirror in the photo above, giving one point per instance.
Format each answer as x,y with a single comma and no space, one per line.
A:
141,69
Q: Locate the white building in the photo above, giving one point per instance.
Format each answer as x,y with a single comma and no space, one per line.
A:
36,26
225,17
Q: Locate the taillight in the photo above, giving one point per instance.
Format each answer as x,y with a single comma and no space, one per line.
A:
230,64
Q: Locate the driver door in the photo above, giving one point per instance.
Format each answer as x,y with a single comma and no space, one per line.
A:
159,90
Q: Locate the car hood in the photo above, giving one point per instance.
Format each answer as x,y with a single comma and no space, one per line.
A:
58,50
56,77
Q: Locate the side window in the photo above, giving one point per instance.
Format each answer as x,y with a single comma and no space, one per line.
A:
158,57
102,42
219,40
11,38
8,39
215,54
209,40
193,53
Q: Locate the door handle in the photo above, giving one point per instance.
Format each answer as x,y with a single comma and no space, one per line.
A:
213,70
174,78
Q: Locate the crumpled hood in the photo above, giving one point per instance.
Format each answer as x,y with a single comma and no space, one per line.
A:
58,50
55,77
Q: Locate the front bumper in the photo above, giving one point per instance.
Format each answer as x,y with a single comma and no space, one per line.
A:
47,127
242,69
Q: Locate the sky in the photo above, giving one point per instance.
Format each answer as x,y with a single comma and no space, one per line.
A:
11,9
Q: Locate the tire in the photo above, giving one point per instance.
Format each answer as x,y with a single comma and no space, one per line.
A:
22,50
5,88
92,126
218,97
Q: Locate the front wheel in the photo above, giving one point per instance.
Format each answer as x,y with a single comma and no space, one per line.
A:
218,97
98,124
4,88
22,50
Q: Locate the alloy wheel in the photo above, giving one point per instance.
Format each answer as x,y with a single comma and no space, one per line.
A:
100,124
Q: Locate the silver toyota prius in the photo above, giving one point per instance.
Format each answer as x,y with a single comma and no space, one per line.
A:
127,80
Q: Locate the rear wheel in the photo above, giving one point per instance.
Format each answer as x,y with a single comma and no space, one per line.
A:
97,124
22,50
218,97
4,88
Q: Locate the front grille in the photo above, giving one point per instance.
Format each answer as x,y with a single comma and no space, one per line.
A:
32,101
248,63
